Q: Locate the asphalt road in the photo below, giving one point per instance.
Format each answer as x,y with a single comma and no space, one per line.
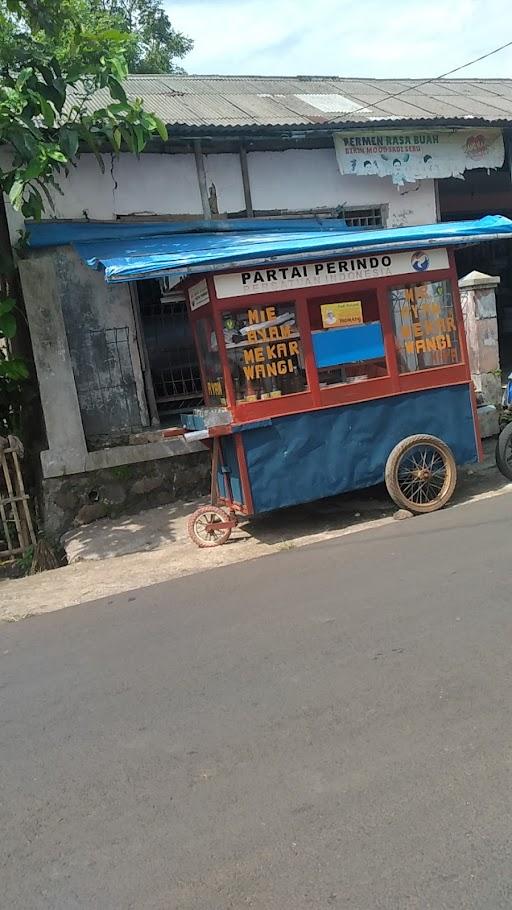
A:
327,727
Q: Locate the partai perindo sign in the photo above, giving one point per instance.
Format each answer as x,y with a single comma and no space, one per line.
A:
336,271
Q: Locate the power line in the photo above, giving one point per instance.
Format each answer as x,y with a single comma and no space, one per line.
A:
434,78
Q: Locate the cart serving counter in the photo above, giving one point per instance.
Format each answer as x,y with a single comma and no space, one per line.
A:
332,375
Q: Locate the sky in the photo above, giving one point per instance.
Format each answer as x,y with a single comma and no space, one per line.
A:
366,38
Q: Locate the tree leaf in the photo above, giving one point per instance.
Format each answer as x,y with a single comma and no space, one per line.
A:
46,192
161,128
16,192
14,368
24,143
55,65
111,34
7,325
116,89
140,137
89,140
23,76
117,138
34,169
60,85
51,94
56,155
128,138
47,111
33,206
119,108
7,305
69,141
46,73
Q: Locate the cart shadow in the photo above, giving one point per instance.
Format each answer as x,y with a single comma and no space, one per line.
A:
333,514
348,509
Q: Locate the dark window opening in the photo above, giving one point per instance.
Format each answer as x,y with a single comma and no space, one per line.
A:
171,350
361,217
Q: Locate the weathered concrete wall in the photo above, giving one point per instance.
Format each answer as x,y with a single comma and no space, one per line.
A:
291,180
102,338
82,498
99,341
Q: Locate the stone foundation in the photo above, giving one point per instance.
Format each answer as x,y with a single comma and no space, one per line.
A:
81,498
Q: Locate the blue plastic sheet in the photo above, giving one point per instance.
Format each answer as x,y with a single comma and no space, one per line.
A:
349,345
321,453
61,233
134,257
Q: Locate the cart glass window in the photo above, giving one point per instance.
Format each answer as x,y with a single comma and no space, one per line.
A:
210,358
264,352
425,327
347,339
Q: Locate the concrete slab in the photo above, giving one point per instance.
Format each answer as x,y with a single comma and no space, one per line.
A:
139,533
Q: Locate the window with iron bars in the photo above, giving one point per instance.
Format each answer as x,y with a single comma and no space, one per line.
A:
364,218
355,216
171,350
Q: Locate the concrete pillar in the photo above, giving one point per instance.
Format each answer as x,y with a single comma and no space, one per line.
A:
67,449
478,298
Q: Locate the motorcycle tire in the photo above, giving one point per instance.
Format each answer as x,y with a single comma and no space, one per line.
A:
504,451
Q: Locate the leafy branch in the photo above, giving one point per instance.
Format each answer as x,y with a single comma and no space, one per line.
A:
61,93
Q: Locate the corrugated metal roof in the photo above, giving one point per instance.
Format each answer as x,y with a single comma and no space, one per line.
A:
259,101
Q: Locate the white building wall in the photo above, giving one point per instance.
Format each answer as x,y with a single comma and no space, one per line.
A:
302,179
156,185
225,173
293,180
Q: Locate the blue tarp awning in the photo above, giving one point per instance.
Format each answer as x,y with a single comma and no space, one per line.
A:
150,251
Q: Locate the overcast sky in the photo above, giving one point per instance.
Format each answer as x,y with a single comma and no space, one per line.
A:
379,38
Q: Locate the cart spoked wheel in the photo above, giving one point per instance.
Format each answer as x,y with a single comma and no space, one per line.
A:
504,451
421,474
210,526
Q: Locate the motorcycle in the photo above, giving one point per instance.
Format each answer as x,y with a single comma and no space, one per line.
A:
504,443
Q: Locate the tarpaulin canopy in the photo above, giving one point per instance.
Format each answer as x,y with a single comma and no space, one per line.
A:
58,233
136,256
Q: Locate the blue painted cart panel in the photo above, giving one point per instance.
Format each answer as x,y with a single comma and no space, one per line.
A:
308,456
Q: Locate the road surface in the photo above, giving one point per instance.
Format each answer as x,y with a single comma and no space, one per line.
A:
329,727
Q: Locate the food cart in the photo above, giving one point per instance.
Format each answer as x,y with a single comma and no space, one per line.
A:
329,375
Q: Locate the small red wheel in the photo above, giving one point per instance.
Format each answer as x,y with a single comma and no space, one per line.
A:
210,526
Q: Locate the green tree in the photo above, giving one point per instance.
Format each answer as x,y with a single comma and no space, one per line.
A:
155,44
52,65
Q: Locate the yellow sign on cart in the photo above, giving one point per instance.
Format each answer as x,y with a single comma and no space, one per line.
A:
338,315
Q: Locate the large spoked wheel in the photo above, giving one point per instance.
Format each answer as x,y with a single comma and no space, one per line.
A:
421,474
210,526
504,451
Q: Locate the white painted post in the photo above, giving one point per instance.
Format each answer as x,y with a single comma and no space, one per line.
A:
478,298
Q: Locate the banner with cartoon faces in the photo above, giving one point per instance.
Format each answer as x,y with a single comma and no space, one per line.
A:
408,155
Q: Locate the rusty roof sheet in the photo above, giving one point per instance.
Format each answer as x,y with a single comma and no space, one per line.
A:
294,101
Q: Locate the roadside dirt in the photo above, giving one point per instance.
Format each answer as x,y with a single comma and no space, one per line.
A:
133,552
